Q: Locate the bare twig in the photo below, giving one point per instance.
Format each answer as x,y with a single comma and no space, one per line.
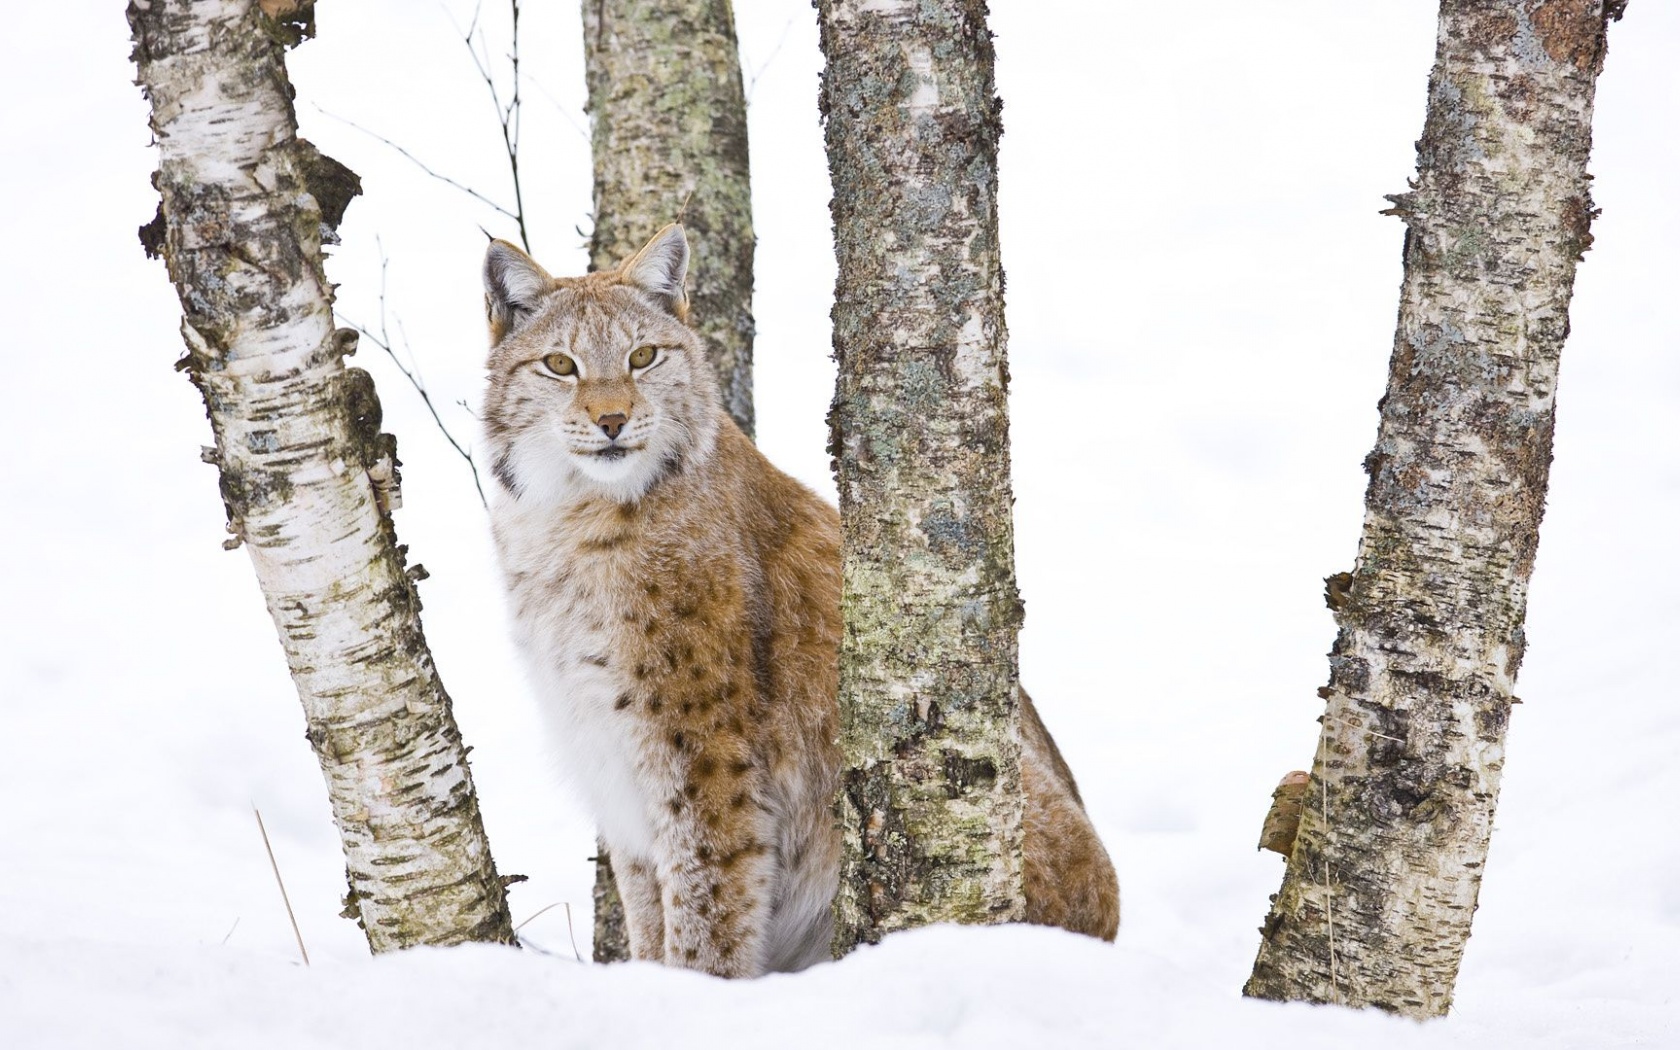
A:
512,143
752,81
428,169
508,114
559,107
382,339
509,117
282,884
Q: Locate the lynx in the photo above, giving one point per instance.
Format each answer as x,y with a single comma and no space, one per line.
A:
676,599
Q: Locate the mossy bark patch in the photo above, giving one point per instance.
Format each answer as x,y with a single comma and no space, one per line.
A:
931,803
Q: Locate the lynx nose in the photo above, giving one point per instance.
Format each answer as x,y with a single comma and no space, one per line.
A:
612,424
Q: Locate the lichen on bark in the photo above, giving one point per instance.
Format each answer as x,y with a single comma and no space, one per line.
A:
1379,891
307,477
612,936
931,805
669,137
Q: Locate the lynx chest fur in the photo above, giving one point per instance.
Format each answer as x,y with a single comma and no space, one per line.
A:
676,600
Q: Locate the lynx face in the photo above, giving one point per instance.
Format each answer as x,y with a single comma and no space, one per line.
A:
596,384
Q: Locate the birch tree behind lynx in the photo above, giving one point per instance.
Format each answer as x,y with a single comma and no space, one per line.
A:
306,475
668,121
931,802
1378,894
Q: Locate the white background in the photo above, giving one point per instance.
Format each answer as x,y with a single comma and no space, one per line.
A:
1201,304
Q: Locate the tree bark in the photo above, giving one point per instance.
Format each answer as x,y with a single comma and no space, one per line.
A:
930,804
669,123
306,475
1378,894
612,934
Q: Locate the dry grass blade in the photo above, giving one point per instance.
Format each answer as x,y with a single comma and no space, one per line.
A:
272,863
530,918
570,933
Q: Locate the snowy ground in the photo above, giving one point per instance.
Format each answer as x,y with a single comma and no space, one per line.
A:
1201,304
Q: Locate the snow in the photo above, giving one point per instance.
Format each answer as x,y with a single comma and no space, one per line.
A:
1201,302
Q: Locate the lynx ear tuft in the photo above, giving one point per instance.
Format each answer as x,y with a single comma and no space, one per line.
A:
660,268
513,286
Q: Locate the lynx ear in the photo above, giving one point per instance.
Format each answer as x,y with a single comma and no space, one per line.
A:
513,286
659,269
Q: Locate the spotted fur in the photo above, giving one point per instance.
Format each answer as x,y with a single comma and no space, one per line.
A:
676,599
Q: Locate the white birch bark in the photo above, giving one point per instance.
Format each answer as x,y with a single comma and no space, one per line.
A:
1379,891
305,473
931,803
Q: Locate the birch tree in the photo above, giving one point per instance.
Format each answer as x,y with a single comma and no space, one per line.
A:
930,804
669,140
307,478
1382,881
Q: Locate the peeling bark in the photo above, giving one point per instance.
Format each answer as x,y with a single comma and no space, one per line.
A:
931,802
669,123
1378,894
306,475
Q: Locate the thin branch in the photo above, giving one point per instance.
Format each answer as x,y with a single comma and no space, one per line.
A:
752,81
426,397
282,884
428,169
382,339
508,116
559,107
518,122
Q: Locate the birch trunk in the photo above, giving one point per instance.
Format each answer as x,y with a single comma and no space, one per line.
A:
930,803
669,123
305,473
1378,894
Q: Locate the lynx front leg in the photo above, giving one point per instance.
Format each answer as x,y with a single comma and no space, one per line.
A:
717,912
644,910
719,875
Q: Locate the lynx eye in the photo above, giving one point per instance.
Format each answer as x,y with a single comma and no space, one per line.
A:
642,356
560,364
